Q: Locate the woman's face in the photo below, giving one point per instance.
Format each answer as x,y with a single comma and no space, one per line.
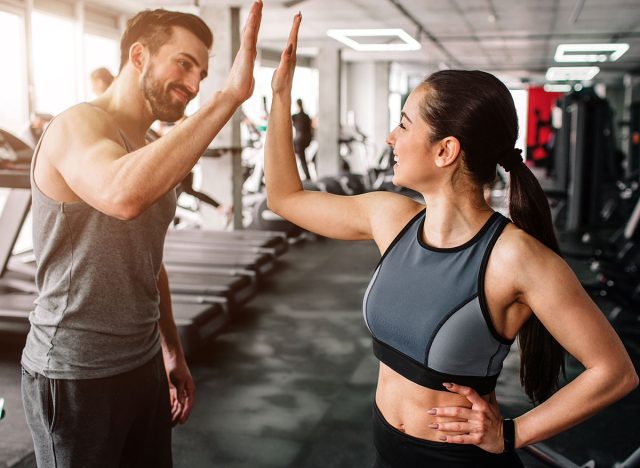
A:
413,153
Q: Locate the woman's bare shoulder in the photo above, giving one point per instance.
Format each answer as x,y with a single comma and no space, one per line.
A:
524,256
390,213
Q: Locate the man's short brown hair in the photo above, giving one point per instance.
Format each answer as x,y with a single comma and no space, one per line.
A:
153,28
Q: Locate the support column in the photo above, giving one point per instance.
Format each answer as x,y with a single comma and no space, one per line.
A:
328,63
367,99
28,47
222,176
382,72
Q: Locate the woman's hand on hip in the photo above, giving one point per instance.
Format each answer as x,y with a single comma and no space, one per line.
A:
482,425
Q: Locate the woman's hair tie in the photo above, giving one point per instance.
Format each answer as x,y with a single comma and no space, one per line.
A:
510,159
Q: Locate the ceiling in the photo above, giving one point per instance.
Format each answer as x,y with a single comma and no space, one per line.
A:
512,38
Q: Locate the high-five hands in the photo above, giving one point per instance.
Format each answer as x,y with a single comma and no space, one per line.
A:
283,76
240,82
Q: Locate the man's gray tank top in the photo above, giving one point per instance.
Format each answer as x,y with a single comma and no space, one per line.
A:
427,313
97,309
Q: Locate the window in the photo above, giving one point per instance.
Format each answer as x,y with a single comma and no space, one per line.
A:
54,63
13,80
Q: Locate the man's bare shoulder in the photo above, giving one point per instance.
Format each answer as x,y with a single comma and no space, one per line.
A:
75,129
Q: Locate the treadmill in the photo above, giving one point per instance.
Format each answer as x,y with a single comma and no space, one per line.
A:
271,242
226,261
196,320
17,289
230,253
249,253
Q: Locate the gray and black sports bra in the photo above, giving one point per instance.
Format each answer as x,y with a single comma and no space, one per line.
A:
427,313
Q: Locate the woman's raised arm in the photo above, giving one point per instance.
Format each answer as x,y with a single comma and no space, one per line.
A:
340,217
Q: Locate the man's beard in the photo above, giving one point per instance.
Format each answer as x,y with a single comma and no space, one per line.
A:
163,106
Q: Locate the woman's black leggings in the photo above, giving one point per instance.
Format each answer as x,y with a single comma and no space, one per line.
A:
395,449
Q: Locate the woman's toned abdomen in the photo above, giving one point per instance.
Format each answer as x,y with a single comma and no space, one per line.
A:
405,404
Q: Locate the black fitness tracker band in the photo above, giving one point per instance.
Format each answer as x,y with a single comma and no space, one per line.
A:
509,434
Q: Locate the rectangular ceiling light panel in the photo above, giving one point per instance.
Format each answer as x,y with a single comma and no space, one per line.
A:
557,88
590,52
571,73
378,39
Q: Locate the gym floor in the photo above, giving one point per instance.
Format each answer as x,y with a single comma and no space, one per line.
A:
290,383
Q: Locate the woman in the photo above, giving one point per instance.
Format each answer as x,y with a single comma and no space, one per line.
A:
457,282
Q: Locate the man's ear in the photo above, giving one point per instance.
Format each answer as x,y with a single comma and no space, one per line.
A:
138,55
448,152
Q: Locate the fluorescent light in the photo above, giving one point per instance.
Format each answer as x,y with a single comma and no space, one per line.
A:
345,36
557,88
571,73
590,52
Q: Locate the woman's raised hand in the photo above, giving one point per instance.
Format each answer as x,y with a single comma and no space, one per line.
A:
240,82
283,76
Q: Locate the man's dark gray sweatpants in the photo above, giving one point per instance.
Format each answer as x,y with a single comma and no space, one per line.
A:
118,421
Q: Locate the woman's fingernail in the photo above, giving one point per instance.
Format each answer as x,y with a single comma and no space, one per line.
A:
443,438
433,426
447,384
432,411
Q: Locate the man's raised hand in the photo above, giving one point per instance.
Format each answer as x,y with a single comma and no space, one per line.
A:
240,82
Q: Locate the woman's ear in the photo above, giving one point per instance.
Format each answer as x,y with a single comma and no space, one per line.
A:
448,152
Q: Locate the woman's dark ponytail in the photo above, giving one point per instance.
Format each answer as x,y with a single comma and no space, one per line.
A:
477,109
541,356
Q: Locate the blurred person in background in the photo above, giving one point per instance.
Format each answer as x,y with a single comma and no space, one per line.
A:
101,79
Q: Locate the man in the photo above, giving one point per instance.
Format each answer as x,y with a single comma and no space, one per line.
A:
103,341
101,79
302,139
